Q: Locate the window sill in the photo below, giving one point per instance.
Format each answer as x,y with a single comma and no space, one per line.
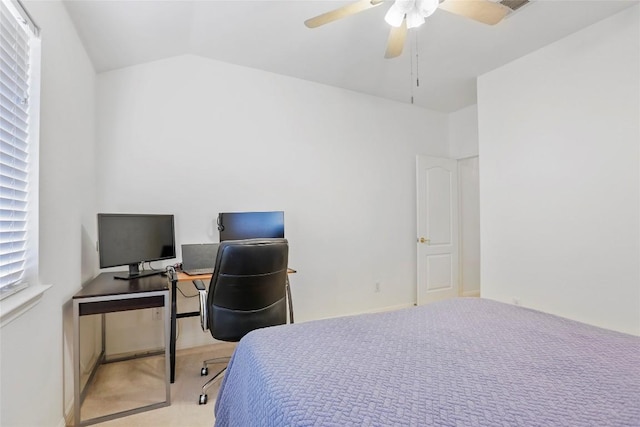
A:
14,306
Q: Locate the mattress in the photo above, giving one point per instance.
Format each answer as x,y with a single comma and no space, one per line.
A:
460,362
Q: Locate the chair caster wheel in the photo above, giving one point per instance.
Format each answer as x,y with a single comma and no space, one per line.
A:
203,399
204,372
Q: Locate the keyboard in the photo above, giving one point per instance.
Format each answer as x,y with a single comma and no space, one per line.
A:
198,271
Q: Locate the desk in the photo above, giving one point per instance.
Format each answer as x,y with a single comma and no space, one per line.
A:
179,276
104,294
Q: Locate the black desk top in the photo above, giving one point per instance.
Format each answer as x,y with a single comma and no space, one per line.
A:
105,285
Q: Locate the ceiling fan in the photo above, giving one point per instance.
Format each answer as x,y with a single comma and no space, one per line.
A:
405,14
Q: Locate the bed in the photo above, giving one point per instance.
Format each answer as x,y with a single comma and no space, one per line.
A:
460,362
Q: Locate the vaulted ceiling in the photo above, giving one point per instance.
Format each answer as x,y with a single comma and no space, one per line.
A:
446,54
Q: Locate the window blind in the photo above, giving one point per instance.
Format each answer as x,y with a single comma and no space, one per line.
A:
15,61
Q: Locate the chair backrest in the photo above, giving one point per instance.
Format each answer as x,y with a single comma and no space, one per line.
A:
248,287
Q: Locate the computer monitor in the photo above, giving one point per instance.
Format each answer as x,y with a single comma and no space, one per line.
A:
250,225
131,239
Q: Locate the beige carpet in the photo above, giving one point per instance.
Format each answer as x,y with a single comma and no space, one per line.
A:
124,385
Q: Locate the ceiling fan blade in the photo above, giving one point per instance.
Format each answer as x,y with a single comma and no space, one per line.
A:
396,40
483,11
343,12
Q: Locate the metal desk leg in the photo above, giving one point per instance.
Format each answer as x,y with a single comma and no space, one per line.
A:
76,364
172,338
167,352
290,301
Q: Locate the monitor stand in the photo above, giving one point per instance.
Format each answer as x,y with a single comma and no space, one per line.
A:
135,273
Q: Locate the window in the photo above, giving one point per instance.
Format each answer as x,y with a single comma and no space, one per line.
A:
19,105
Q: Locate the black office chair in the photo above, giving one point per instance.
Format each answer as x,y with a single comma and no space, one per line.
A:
247,291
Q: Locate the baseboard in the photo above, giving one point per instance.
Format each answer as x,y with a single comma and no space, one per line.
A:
67,419
68,415
374,310
371,311
389,308
118,357
471,294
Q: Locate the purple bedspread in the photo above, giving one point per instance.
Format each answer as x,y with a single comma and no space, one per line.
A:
462,362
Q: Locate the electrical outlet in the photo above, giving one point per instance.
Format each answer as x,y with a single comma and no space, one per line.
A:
156,313
377,288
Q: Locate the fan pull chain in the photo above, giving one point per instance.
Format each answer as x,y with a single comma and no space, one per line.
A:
417,61
411,71
413,46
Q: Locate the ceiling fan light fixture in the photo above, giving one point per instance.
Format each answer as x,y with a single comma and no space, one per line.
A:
427,7
394,16
405,6
414,19
405,14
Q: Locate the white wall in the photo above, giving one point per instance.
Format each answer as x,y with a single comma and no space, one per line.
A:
33,349
194,137
559,178
463,133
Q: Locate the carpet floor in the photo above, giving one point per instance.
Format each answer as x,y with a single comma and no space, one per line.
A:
125,385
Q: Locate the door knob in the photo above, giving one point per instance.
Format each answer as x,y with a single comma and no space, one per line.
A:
423,240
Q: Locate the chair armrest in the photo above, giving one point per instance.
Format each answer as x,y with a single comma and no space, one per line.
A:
202,291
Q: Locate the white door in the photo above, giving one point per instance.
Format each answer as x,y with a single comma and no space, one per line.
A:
437,239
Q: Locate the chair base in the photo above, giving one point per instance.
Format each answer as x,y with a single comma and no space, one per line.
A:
205,371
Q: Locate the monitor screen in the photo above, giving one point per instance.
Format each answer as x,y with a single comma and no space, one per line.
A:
250,225
130,239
